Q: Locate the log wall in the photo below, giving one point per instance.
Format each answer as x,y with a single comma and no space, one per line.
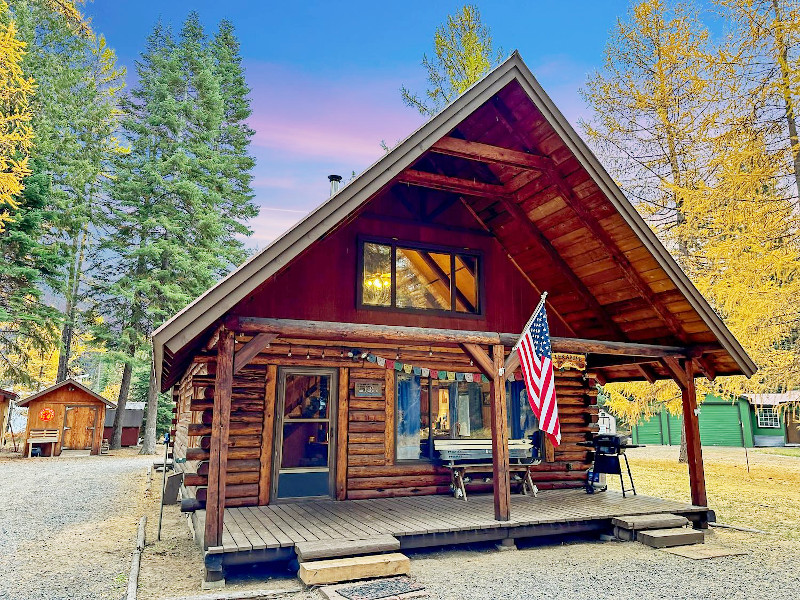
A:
368,468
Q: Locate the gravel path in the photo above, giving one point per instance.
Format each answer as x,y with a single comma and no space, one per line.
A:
66,526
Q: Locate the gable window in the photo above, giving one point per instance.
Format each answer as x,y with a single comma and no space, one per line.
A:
768,418
411,277
429,409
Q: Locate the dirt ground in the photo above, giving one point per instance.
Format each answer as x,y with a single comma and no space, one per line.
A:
765,498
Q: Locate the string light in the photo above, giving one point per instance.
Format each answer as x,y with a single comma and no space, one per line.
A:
308,353
290,351
341,354
397,354
323,353
430,351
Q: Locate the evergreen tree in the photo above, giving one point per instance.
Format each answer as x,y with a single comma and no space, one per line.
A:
172,233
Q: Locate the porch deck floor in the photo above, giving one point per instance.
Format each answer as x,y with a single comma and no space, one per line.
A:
415,518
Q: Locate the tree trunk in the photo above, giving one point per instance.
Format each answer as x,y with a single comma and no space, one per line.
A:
149,442
683,457
786,91
125,387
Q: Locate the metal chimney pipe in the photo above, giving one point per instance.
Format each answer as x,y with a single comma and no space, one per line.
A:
336,181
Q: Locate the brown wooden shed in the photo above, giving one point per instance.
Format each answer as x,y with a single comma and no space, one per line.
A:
312,384
6,398
72,410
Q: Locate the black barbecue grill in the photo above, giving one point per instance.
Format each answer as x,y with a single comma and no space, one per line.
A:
608,447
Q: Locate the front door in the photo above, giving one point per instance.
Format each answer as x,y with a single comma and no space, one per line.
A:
792,425
79,424
304,435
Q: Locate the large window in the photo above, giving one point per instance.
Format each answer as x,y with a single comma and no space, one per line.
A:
405,276
429,409
768,418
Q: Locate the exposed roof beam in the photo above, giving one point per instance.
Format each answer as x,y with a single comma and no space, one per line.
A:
451,184
590,222
486,153
251,349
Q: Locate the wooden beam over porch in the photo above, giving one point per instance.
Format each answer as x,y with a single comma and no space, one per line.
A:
354,332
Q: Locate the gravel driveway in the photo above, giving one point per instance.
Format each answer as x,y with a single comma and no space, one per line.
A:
67,525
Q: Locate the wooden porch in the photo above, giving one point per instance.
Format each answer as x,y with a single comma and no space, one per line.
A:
269,533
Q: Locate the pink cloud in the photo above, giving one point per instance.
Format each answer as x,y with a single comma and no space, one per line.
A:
342,118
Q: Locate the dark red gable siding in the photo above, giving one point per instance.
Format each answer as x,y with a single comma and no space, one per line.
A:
321,284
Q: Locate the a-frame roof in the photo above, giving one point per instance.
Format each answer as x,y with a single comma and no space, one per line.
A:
527,177
64,383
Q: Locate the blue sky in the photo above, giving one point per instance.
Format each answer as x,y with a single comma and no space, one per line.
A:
326,76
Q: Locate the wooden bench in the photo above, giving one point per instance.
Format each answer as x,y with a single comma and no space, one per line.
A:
43,436
465,457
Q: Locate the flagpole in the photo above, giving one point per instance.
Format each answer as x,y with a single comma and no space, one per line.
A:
528,324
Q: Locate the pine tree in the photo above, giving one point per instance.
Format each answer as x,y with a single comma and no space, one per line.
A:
172,233
463,53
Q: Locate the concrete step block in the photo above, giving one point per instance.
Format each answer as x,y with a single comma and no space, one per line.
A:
336,570
668,538
640,522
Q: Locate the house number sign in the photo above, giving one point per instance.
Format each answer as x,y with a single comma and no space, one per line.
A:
368,389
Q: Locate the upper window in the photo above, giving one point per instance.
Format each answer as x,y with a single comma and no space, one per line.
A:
768,418
409,277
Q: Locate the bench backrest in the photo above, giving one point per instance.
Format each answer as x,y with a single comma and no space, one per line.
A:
472,449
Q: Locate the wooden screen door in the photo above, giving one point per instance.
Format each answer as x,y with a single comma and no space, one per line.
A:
305,436
792,424
79,424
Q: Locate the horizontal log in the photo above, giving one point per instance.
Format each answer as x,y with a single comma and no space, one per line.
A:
234,441
396,470
234,429
233,453
372,372
232,491
356,449
238,502
230,479
561,466
368,416
356,460
366,438
233,466
366,426
359,404
379,483
565,476
571,456
559,485
397,492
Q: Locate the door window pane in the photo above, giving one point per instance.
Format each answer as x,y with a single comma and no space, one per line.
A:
305,444
408,417
307,396
522,423
377,277
423,279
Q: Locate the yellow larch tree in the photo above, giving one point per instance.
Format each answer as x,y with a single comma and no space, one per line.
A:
16,135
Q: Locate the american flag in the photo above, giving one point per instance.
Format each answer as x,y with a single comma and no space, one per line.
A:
535,357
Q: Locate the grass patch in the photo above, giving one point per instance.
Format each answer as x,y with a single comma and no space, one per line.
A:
779,451
766,498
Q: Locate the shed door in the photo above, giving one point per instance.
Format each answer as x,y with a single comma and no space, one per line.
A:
792,425
79,424
304,437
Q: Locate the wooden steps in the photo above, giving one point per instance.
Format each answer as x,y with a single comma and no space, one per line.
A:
336,570
657,531
668,538
344,548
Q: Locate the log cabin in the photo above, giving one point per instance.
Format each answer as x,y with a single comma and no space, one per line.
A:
69,414
310,383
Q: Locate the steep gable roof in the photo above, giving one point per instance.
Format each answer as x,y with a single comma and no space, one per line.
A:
62,384
509,220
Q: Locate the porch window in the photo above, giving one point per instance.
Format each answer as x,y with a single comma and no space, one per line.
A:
768,418
410,277
429,409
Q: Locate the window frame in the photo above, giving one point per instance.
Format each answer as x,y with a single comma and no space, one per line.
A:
394,243
772,415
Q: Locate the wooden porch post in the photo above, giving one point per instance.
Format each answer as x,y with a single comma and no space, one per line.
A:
694,452
218,460
502,488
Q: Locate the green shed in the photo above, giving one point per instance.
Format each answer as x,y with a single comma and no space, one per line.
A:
757,420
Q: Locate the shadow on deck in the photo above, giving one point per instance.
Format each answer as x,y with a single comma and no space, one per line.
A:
269,533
